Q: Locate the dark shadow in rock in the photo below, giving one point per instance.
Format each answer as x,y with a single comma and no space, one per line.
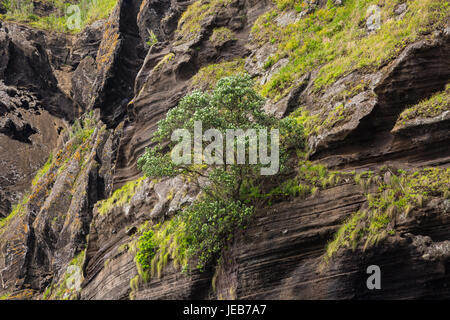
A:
20,133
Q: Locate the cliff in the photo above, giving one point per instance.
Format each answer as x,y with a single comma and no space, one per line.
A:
372,187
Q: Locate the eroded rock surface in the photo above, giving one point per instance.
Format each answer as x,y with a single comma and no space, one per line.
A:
64,227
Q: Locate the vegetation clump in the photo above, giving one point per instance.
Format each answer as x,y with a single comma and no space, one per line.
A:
69,285
147,249
165,60
120,197
207,77
43,170
17,210
81,131
334,40
222,35
152,39
400,194
307,180
190,22
429,108
321,121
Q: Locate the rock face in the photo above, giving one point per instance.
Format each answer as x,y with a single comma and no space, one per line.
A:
118,60
33,109
419,71
282,259
81,216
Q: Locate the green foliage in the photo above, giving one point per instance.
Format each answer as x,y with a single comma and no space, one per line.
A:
334,40
199,233
208,76
233,104
222,35
159,243
324,119
189,24
134,286
428,108
291,133
43,170
93,10
165,60
347,235
6,296
62,290
152,39
400,195
120,196
82,130
210,224
308,181
20,10
310,123
298,5
59,19
17,209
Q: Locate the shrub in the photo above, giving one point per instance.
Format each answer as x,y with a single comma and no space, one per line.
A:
428,108
147,249
210,224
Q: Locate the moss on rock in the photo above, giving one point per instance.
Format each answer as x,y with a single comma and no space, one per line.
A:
222,35
120,197
334,39
190,22
208,76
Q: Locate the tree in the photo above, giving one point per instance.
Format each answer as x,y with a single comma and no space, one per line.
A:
232,105
221,208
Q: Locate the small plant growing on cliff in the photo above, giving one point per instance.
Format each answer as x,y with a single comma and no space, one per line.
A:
152,39
120,196
432,107
207,77
82,129
400,195
62,16
147,249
